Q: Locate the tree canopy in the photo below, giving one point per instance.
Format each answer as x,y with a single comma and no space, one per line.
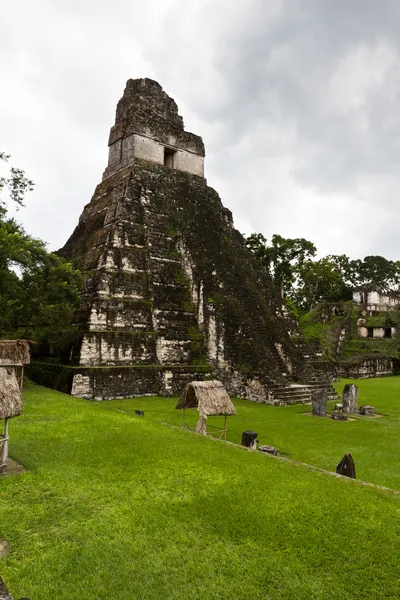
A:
39,291
305,281
282,258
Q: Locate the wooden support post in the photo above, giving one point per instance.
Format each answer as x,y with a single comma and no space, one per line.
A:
22,377
4,451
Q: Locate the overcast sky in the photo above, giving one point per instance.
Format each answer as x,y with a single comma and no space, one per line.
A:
298,103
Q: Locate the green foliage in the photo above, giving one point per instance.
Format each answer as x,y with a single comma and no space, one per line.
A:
39,291
291,264
15,183
319,281
378,321
384,274
49,299
294,311
282,258
394,317
356,349
121,507
325,322
379,270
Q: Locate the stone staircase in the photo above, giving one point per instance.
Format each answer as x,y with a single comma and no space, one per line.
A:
320,377
296,393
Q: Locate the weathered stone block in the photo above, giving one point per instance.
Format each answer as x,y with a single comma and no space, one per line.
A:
268,450
4,548
319,403
347,467
339,417
367,411
249,439
350,398
4,595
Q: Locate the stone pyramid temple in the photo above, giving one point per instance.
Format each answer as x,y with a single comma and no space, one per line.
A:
171,292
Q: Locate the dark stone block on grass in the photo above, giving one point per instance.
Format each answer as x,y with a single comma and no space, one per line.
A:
4,595
268,450
339,417
249,439
347,467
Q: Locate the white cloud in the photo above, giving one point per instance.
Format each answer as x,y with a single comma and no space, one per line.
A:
297,104
362,72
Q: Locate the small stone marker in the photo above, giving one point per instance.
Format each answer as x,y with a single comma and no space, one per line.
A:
268,449
346,466
367,411
350,397
319,402
339,416
4,548
249,439
4,595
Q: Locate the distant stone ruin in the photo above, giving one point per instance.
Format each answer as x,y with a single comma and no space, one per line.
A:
171,292
360,338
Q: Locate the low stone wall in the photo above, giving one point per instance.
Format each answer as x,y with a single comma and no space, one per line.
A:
365,368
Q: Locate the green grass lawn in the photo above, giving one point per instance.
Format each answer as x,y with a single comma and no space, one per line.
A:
120,507
374,443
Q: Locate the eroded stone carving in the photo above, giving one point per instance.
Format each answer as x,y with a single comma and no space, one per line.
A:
350,398
319,402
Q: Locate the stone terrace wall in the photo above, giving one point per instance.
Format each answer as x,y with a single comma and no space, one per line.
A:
167,263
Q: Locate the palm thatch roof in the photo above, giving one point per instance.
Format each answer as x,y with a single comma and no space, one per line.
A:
14,353
209,397
10,394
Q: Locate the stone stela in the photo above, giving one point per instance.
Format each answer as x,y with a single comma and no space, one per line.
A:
350,398
319,403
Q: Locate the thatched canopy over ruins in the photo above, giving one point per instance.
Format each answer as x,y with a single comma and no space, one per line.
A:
209,397
10,394
14,353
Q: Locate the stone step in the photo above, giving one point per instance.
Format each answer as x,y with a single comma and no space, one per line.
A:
300,393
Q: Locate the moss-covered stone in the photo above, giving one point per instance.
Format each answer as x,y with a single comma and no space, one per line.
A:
160,254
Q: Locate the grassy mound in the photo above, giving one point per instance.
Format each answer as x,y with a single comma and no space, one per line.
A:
122,507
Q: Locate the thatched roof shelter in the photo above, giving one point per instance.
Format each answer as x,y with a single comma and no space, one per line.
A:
209,397
14,353
10,394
